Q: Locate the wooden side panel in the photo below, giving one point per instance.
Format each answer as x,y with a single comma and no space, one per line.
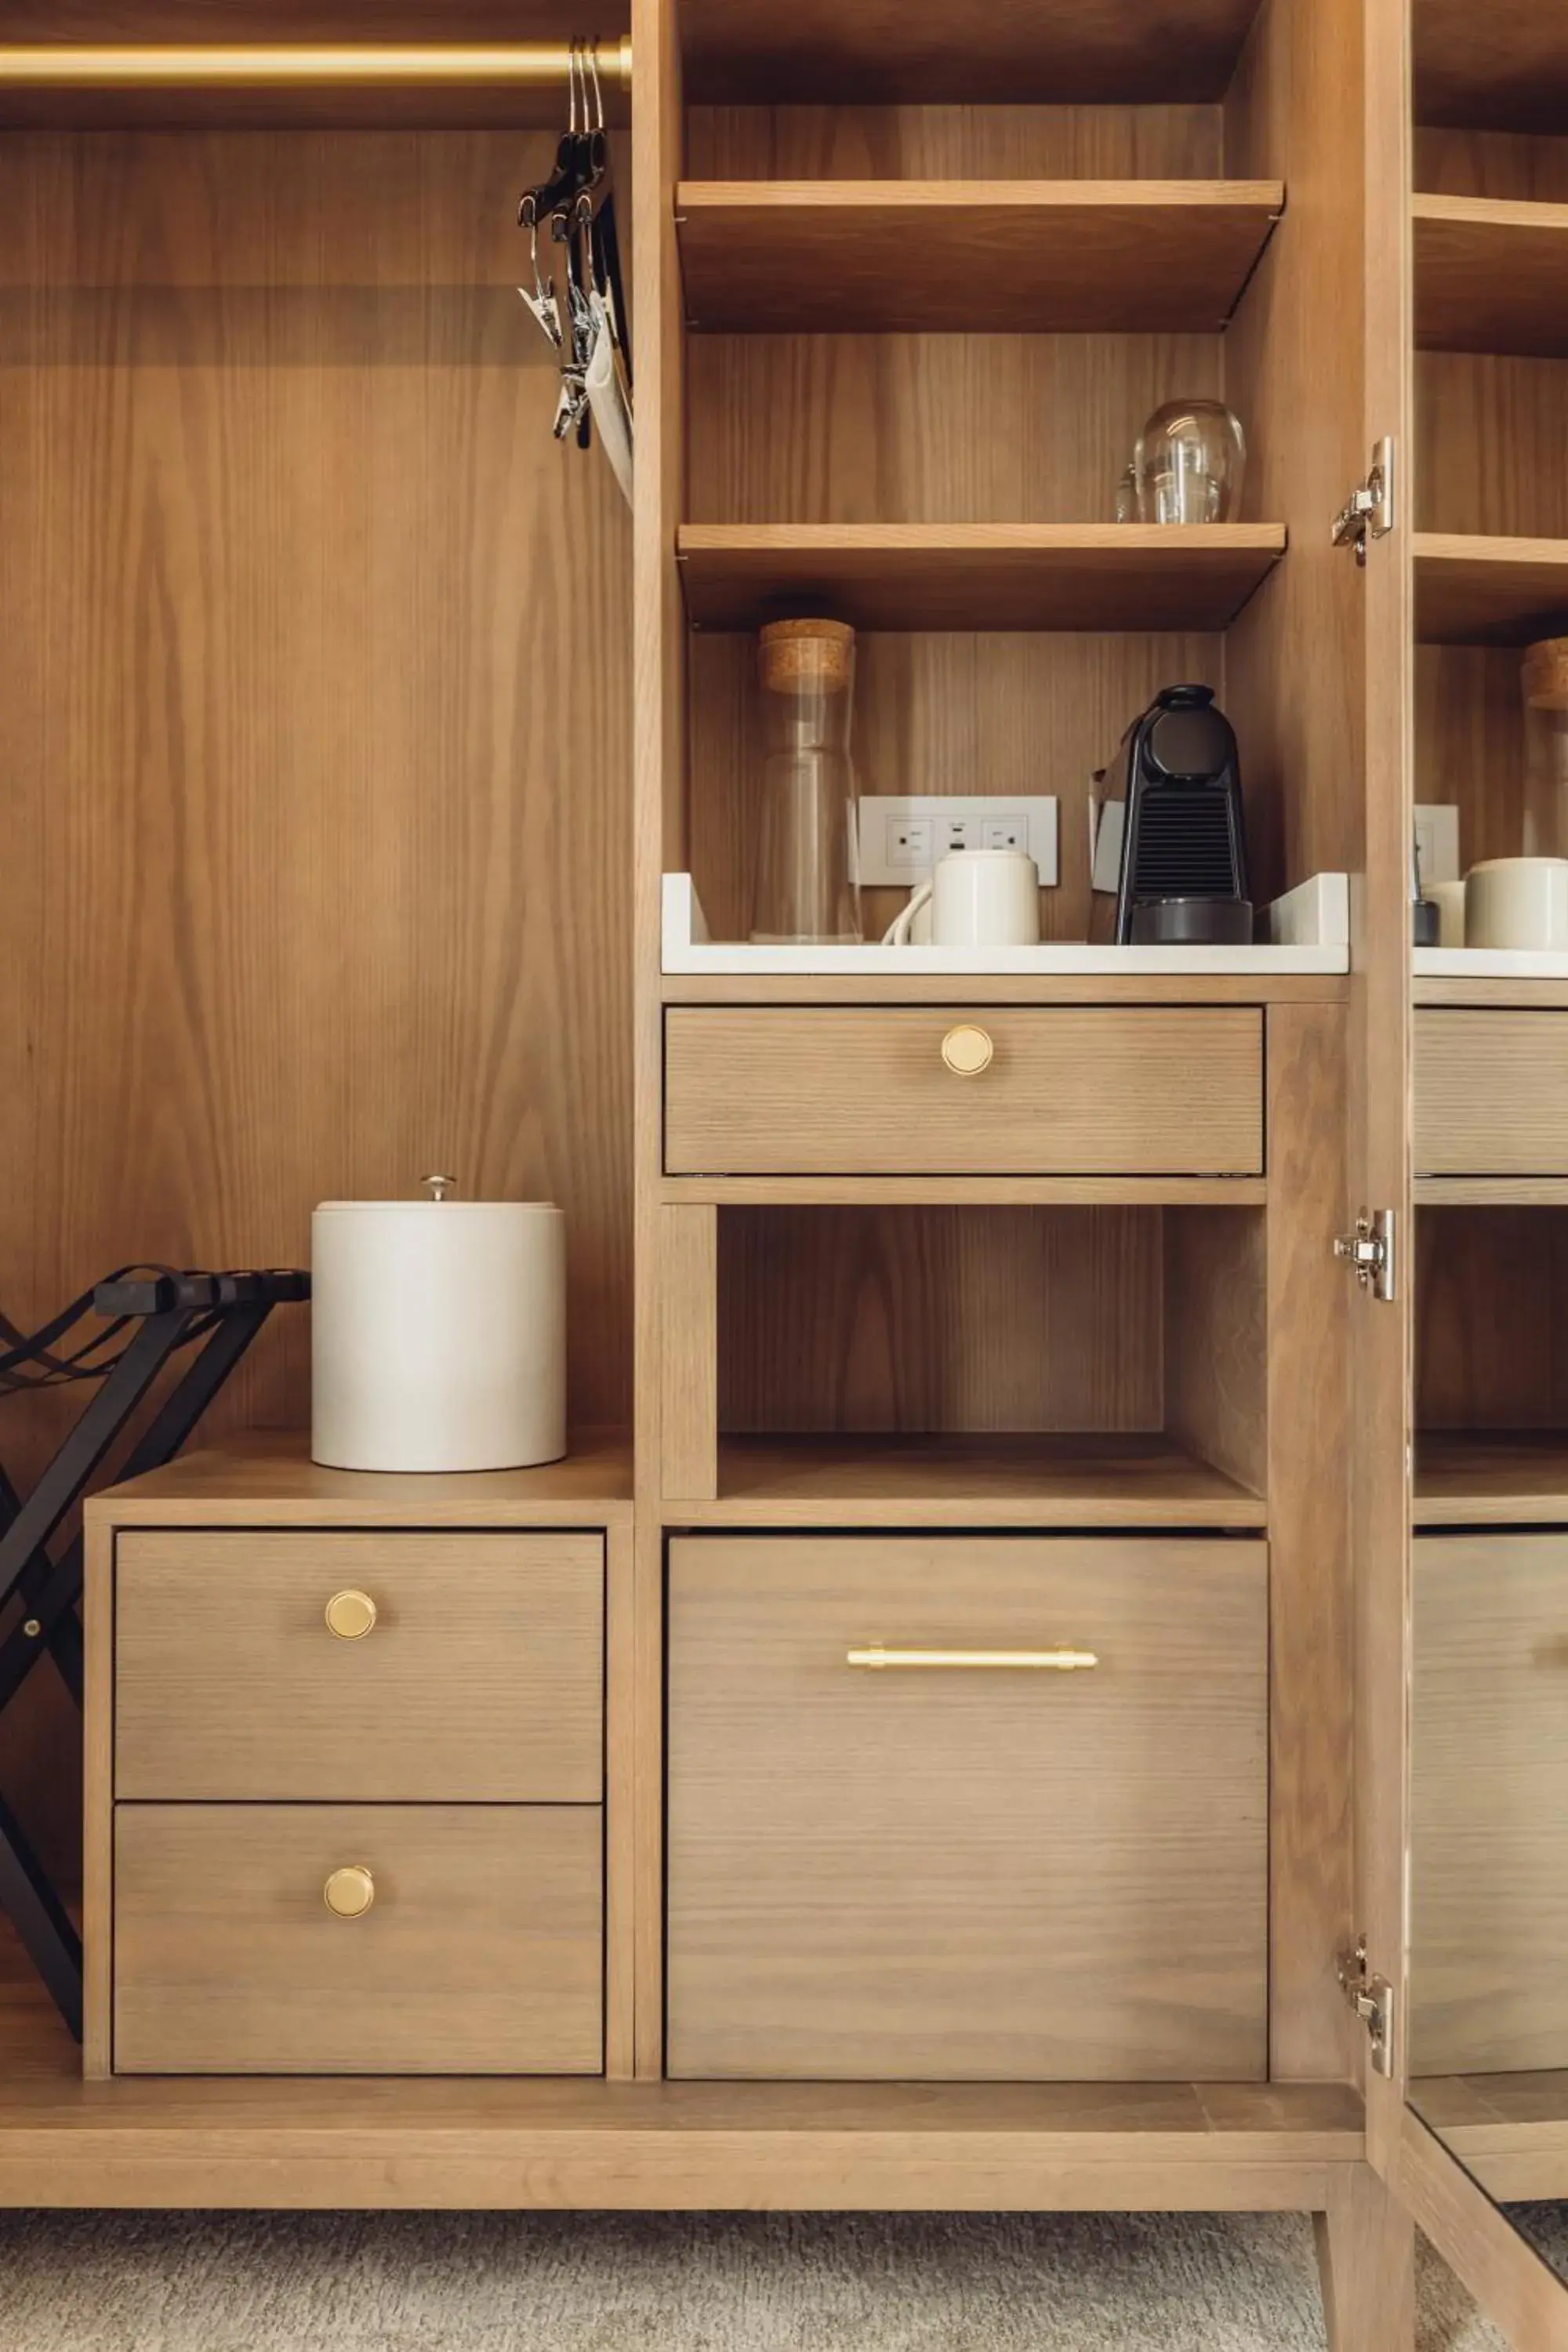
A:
939,1319
1217,1338
480,1955
1311,1715
1378,663
688,1274
957,1872
658,786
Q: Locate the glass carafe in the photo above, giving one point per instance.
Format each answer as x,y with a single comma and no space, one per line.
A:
1546,682
805,882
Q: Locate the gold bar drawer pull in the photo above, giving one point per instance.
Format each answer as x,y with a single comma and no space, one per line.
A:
878,1659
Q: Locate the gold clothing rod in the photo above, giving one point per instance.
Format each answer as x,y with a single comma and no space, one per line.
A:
517,65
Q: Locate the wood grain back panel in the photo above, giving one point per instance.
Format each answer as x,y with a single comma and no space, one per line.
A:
482,1953
1489,1842
967,1874
1491,1295
1506,164
314,717
1490,451
954,143
927,427
482,1678
939,1319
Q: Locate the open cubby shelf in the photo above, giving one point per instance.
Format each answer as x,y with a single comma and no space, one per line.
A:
914,51
979,575
1491,276
1475,590
1501,68
1037,1481
1491,1477
971,257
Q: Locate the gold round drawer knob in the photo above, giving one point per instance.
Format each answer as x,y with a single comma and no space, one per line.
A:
350,1891
349,1615
967,1050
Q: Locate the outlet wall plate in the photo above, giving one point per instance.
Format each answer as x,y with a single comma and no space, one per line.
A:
902,835
1438,842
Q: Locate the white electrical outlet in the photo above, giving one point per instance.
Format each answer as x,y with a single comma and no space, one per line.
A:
902,835
1438,842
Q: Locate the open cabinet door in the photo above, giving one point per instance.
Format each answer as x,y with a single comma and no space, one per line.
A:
1420,2176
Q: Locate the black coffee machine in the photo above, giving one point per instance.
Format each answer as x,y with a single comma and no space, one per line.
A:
1182,880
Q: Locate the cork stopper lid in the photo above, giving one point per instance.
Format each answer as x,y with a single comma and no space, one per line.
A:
1545,674
806,656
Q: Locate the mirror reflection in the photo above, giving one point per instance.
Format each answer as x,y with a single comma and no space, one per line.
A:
1488,2035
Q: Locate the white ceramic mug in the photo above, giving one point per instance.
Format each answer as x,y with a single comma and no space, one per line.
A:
1517,902
978,899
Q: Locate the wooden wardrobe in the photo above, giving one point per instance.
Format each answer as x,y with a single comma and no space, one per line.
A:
941,1737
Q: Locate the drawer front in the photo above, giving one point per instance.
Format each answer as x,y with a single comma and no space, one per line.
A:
958,1871
1489,1991
479,1953
481,1678
827,1091
1491,1094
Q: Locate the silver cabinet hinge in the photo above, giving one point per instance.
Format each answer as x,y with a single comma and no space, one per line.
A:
1372,1998
1369,1249
1368,512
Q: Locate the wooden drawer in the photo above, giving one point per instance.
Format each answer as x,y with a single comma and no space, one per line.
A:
480,1953
958,1871
1489,1989
825,1091
482,1678
1491,1094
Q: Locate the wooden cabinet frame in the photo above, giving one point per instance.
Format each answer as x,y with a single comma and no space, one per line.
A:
1287,1373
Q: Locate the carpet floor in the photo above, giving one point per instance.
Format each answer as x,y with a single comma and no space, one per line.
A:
599,2283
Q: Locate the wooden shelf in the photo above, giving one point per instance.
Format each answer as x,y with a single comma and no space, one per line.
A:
471,2144
1104,257
997,1480
1491,1477
1269,987
224,1486
1510,2131
1491,276
909,52
1471,591
982,575
1501,67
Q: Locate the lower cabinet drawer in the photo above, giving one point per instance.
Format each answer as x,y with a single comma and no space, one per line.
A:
480,1952
949,1866
1491,1093
1489,1846
1073,1090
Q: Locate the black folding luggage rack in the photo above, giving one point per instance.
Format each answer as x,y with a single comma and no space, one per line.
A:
168,1311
